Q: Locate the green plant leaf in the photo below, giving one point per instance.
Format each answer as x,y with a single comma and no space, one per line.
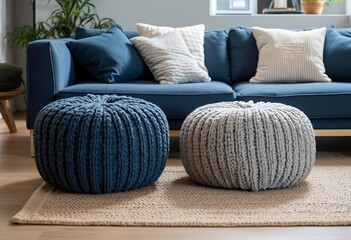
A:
326,2
61,23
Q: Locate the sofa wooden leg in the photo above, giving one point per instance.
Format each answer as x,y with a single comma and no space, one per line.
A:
174,133
31,143
332,132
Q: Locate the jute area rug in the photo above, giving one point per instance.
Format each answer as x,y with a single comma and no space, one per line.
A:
323,199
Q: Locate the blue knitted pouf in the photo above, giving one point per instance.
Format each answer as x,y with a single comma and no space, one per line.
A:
101,144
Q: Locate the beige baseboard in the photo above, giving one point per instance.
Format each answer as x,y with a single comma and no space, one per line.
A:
31,143
332,132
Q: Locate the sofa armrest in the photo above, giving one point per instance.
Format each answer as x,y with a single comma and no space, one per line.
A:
50,68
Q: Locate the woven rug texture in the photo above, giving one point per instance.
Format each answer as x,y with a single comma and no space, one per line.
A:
323,199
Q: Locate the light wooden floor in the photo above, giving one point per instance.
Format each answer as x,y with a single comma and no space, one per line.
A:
19,178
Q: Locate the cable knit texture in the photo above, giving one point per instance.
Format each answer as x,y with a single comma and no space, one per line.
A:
248,146
101,144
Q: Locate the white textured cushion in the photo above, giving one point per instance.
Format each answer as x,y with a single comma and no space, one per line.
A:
289,56
169,59
193,37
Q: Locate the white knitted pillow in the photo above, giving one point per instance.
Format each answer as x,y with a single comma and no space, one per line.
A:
169,59
289,56
193,37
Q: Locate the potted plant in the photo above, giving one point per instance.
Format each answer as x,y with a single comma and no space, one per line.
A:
315,6
61,23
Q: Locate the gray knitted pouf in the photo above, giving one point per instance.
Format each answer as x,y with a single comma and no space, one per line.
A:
248,146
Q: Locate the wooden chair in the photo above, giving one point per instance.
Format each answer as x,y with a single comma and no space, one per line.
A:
5,108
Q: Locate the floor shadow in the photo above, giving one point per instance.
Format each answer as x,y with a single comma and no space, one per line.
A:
333,158
79,201
189,195
13,196
333,144
16,142
174,151
28,184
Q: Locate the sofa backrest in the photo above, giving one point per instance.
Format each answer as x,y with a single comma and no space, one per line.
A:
337,54
216,55
233,57
215,47
243,53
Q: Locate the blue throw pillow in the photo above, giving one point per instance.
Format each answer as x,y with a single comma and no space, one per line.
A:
345,31
84,32
216,55
243,53
108,57
337,55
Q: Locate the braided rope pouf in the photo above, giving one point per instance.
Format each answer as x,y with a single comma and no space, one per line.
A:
101,144
248,146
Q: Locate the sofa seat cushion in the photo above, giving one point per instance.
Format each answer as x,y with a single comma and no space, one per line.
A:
316,100
176,100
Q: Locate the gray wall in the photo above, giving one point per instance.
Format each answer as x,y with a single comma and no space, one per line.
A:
14,13
5,26
348,9
22,15
188,12
336,8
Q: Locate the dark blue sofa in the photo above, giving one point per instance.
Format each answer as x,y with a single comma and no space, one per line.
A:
231,60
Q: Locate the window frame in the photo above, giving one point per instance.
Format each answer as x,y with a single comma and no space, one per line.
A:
235,11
